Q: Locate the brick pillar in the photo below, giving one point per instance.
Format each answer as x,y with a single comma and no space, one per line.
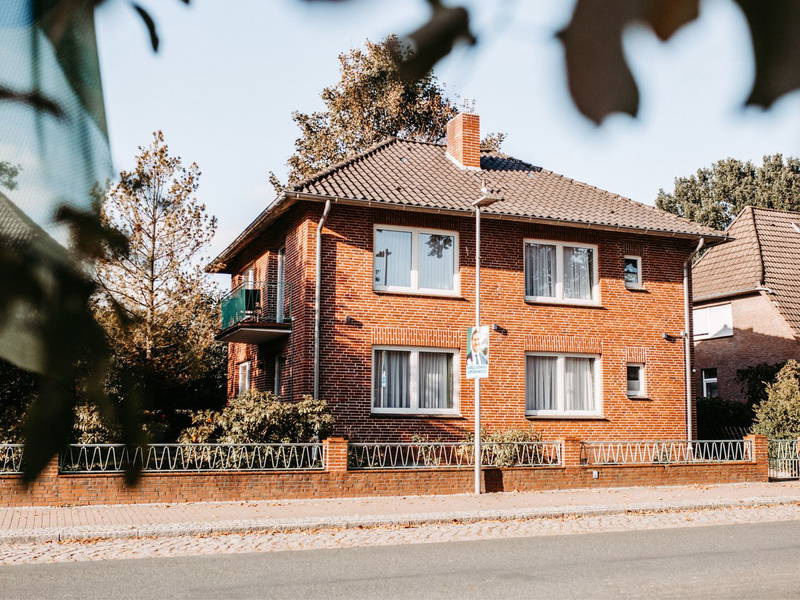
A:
760,455
570,452
335,453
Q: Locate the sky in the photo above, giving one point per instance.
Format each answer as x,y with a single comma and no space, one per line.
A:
230,73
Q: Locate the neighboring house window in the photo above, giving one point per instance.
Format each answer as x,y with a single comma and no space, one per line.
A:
244,377
632,272
414,380
636,382
562,384
561,272
713,321
278,376
709,377
408,259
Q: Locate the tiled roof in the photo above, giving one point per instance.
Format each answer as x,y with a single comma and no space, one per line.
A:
17,229
419,175
416,174
765,253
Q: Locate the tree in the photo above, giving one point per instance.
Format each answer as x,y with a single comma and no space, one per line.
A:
778,417
369,103
171,305
8,175
715,195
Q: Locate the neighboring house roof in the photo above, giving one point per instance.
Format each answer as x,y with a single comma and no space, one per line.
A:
420,176
18,229
764,255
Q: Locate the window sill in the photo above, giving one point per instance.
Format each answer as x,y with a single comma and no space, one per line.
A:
415,415
424,293
564,417
636,288
700,338
562,302
646,398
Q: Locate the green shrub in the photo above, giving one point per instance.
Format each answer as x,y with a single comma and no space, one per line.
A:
778,417
91,428
259,417
501,445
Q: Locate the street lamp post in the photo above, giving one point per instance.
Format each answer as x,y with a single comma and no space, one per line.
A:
486,199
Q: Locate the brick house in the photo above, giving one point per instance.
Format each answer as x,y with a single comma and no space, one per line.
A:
747,300
586,292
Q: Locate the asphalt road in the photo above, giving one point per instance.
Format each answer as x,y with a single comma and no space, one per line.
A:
736,561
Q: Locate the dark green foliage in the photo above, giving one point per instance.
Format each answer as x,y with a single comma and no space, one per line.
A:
722,419
756,378
714,196
778,417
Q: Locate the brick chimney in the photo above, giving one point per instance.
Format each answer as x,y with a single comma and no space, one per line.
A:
464,140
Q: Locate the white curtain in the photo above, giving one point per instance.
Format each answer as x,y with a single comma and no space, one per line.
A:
391,379
540,270
579,384
392,259
578,273
435,380
540,385
436,261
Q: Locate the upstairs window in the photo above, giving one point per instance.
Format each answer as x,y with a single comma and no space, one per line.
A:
713,321
632,272
414,380
561,272
415,260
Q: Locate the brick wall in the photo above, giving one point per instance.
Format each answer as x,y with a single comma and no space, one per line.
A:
52,489
761,335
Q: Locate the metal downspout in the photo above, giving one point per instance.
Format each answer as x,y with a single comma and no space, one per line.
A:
318,296
687,335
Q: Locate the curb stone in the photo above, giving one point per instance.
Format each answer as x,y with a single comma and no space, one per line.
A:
369,522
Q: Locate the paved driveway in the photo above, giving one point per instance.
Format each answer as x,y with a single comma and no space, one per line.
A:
734,561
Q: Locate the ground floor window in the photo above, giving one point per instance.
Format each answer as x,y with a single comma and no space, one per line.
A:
636,383
709,377
279,369
244,377
561,384
414,380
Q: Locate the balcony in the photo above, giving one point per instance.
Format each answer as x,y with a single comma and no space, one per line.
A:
255,312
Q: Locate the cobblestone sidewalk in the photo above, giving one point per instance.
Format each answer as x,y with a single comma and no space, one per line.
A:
186,545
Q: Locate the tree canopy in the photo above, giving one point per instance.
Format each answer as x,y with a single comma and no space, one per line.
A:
715,195
370,102
778,417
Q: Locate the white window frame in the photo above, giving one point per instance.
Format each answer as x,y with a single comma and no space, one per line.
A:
700,314
558,288
414,287
706,380
640,283
560,399
642,380
243,368
413,384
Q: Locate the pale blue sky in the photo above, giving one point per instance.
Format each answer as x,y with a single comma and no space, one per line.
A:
230,73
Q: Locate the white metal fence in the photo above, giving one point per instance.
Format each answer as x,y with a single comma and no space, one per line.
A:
666,452
10,459
155,458
418,455
784,459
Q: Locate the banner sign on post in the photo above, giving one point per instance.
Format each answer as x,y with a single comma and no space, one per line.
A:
478,352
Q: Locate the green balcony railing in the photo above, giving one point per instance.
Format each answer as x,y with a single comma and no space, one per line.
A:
256,302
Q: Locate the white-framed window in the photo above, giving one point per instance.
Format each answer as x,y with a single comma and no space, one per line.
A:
632,272
709,379
415,260
561,272
243,382
635,375
414,380
562,384
713,321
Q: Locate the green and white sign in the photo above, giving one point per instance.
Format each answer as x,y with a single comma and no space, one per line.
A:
478,352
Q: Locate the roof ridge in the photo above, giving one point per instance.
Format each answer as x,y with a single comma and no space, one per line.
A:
779,210
762,273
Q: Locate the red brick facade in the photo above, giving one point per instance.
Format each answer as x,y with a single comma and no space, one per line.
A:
627,327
